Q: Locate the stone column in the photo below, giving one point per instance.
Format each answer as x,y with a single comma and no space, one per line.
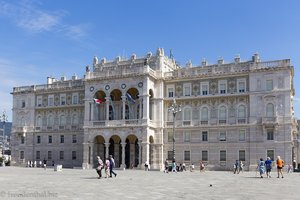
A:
116,154
132,153
123,105
107,107
145,153
106,149
123,155
86,158
146,107
140,154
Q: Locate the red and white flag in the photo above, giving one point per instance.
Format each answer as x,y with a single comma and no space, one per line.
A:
98,101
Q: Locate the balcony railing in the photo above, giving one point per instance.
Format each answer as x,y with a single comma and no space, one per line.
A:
269,120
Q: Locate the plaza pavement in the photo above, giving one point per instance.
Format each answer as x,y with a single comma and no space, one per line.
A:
37,183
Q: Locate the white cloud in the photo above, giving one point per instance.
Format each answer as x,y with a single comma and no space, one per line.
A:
33,19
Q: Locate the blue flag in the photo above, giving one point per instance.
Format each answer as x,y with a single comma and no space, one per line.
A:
129,98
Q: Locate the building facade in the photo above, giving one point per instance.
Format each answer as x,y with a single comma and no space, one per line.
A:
240,110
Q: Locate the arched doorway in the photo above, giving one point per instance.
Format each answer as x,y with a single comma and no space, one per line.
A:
131,151
99,148
115,149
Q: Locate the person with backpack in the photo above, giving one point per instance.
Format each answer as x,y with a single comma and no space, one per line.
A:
99,167
280,165
111,166
268,164
261,167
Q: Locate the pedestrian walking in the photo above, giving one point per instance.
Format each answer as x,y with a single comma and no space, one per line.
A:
192,167
236,167
166,166
241,166
201,166
268,164
106,167
111,166
280,165
146,165
99,167
261,167
174,166
45,164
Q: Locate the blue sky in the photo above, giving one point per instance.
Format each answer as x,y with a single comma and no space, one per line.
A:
41,38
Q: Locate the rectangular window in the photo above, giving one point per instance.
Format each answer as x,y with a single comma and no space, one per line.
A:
23,104
187,89
222,86
270,134
49,139
222,155
38,139
63,99
222,136
170,155
61,155
38,155
170,92
187,155
74,139
50,100
187,136
205,155
73,155
39,101
204,136
170,136
204,88
270,153
75,99
269,85
21,154
241,87
22,140
62,139
242,155
49,155
242,135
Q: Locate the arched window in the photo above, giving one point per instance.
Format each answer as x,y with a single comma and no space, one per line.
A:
270,110
62,120
242,111
222,113
204,114
187,114
39,121
50,121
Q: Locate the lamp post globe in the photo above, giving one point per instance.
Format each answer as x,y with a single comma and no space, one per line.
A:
174,108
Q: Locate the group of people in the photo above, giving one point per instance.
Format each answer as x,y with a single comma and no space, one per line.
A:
174,167
266,167
108,167
37,164
238,166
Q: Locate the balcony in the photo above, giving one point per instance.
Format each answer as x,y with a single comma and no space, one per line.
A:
118,123
270,121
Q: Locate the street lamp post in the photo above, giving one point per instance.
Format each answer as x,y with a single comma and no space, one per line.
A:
3,118
174,108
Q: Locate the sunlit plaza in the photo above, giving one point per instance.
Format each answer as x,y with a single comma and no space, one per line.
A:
37,183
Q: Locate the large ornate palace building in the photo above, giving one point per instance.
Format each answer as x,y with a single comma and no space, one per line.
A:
240,110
